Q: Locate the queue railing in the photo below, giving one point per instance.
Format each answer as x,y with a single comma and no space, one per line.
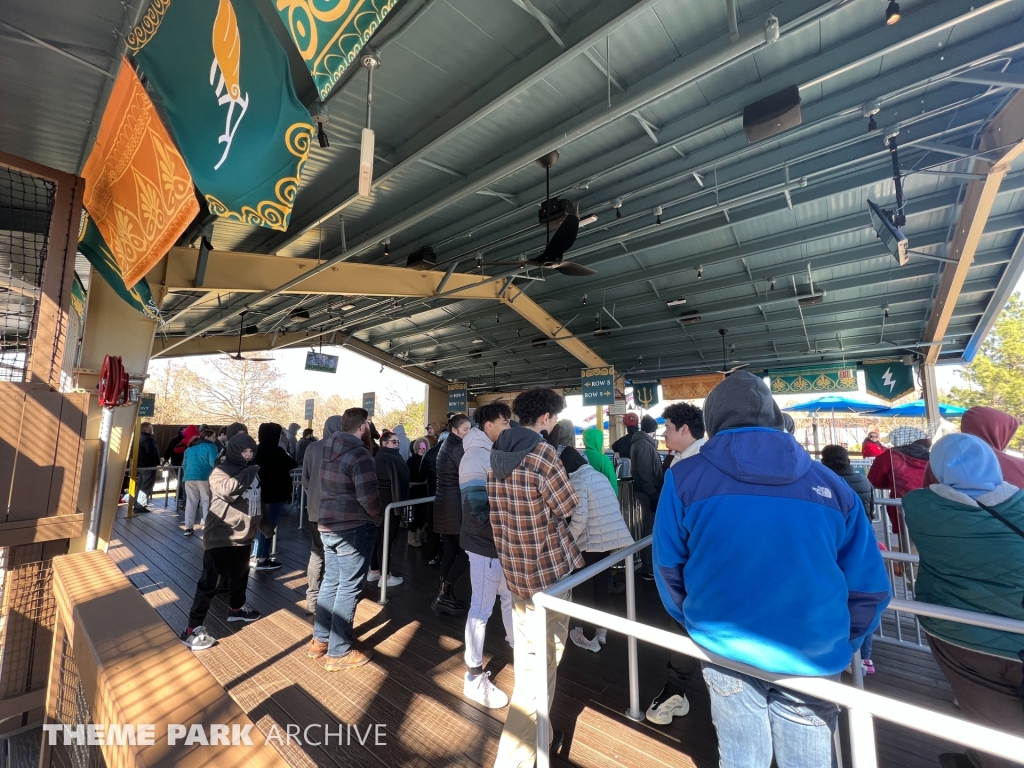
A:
862,706
165,471
385,557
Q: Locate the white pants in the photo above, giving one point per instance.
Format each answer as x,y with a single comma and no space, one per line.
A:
197,493
488,583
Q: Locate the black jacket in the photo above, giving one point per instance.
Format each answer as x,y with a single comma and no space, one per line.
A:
275,466
171,455
860,485
429,467
448,497
149,453
392,477
645,467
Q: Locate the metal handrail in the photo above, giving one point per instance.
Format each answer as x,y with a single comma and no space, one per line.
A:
862,705
387,539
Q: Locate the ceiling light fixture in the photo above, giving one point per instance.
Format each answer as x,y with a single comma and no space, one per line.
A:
318,111
892,13
584,299
588,220
477,341
700,272
771,285
347,307
617,205
387,249
676,302
657,215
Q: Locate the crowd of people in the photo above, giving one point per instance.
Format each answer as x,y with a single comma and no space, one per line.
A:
760,554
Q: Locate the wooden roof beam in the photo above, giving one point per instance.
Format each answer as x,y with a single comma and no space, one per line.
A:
1004,140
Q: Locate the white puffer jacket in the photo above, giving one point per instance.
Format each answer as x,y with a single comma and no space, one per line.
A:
597,523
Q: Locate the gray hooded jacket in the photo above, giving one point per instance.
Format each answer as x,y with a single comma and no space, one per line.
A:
311,468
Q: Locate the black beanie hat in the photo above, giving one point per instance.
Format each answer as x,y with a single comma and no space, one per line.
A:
649,424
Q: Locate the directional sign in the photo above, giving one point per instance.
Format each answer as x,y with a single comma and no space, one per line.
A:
310,404
147,405
457,397
369,402
598,386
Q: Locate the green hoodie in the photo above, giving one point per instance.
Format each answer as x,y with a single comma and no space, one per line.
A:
593,449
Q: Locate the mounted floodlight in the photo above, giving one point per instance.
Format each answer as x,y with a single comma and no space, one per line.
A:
890,235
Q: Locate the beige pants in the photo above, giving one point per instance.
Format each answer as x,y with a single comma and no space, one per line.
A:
518,745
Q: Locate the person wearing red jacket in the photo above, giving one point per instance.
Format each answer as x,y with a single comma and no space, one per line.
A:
872,446
901,469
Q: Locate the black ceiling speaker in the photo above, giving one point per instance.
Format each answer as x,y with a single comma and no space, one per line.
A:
424,259
772,114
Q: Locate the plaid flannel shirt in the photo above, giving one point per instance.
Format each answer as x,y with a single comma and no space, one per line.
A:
530,511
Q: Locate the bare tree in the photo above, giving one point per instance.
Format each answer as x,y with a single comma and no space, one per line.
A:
241,390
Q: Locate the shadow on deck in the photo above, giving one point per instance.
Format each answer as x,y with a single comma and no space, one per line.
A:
413,686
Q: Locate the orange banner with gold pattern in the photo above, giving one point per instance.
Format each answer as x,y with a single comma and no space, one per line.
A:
690,387
137,189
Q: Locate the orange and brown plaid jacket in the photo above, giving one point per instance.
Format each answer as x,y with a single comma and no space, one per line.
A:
530,512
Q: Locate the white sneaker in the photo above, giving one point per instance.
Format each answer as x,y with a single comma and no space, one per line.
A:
393,581
198,639
481,690
373,576
661,711
578,638
602,636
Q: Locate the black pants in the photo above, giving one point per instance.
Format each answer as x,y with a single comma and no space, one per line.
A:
315,568
986,688
233,564
680,670
391,521
596,597
647,509
454,561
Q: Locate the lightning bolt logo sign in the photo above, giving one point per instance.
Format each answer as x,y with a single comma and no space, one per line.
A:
888,380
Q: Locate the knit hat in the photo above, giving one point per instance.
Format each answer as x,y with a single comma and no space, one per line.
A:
649,424
906,435
741,400
631,420
965,463
566,432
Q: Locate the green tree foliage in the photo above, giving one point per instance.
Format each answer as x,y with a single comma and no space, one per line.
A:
996,376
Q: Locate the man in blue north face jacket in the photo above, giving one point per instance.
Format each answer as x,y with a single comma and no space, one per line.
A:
768,559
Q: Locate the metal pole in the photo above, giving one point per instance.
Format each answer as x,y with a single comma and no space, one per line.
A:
862,739
384,564
540,653
106,424
634,712
857,670
132,481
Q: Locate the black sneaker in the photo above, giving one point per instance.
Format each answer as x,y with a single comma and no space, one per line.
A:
435,561
189,531
270,564
647,576
245,613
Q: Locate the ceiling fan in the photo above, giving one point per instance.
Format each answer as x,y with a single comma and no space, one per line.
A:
562,240
237,357
726,370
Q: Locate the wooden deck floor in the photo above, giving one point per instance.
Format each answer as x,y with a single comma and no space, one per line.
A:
414,684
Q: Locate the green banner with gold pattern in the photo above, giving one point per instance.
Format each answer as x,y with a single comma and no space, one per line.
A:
645,393
95,249
813,379
330,33
224,82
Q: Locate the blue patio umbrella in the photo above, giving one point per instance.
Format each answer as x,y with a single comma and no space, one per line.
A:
835,404
916,410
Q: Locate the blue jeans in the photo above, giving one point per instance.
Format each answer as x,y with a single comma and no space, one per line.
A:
865,649
754,717
271,513
346,556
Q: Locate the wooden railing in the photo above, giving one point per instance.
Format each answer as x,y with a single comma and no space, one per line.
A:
115,661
